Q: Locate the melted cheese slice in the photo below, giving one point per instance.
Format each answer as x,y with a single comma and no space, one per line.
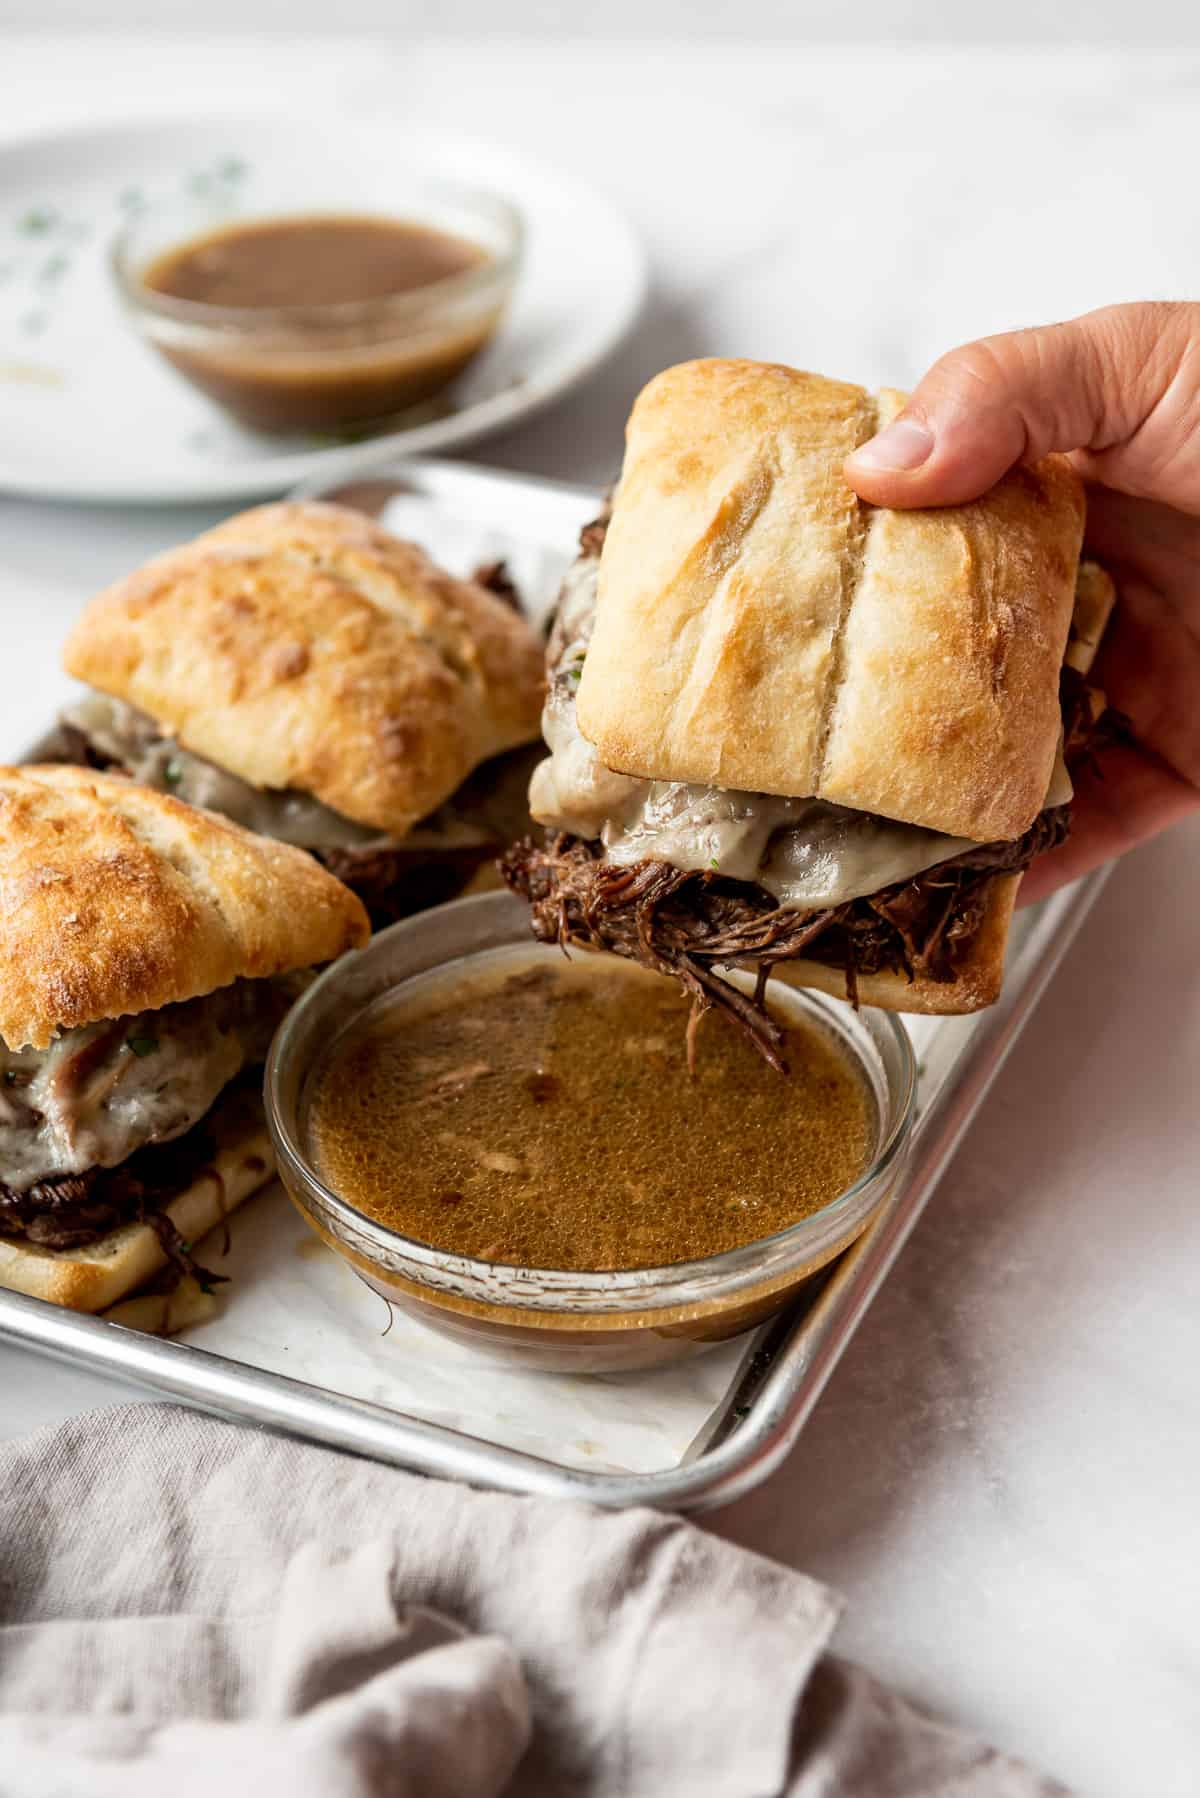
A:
807,854
134,741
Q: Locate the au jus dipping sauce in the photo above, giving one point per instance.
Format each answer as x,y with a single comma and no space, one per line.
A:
544,1116
292,363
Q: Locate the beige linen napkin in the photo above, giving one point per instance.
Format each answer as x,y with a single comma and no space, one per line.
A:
188,1607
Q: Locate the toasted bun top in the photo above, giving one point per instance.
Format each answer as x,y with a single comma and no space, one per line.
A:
115,899
759,628
302,646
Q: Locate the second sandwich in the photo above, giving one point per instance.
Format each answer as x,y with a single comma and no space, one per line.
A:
322,682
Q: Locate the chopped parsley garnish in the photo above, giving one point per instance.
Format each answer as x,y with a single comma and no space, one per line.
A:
714,863
37,221
142,1045
173,772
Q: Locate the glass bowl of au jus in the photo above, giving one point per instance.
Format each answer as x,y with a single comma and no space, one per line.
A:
320,315
509,1144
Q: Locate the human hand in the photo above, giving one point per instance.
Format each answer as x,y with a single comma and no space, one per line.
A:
1118,390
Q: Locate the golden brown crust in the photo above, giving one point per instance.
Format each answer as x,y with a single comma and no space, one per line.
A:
302,646
977,984
732,536
115,899
948,713
95,1277
759,628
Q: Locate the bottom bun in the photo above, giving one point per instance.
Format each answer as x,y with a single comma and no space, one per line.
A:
97,1274
977,984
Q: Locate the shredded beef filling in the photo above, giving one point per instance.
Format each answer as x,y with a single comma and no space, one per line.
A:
1089,725
394,882
496,578
75,746
71,1210
688,924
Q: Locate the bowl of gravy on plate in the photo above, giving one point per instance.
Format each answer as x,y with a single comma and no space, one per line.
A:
327,320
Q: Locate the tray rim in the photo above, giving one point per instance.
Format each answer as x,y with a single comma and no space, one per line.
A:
788,1361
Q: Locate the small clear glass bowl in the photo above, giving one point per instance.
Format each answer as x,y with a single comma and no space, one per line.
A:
552,1318
330,368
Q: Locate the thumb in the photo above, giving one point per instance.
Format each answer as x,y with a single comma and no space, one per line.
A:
1092,384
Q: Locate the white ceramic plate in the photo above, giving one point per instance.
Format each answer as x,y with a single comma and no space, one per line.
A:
89,412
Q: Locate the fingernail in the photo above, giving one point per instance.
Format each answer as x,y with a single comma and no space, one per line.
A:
904,445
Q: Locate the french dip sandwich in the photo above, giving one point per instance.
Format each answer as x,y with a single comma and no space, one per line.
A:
794,734
321,682
147,952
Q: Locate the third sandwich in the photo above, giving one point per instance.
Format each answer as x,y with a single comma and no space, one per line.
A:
322,682
790,733
148,952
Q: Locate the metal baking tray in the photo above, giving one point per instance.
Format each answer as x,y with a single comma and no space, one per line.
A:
761,1390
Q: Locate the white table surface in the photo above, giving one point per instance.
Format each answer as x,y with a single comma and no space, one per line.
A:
1003,1476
